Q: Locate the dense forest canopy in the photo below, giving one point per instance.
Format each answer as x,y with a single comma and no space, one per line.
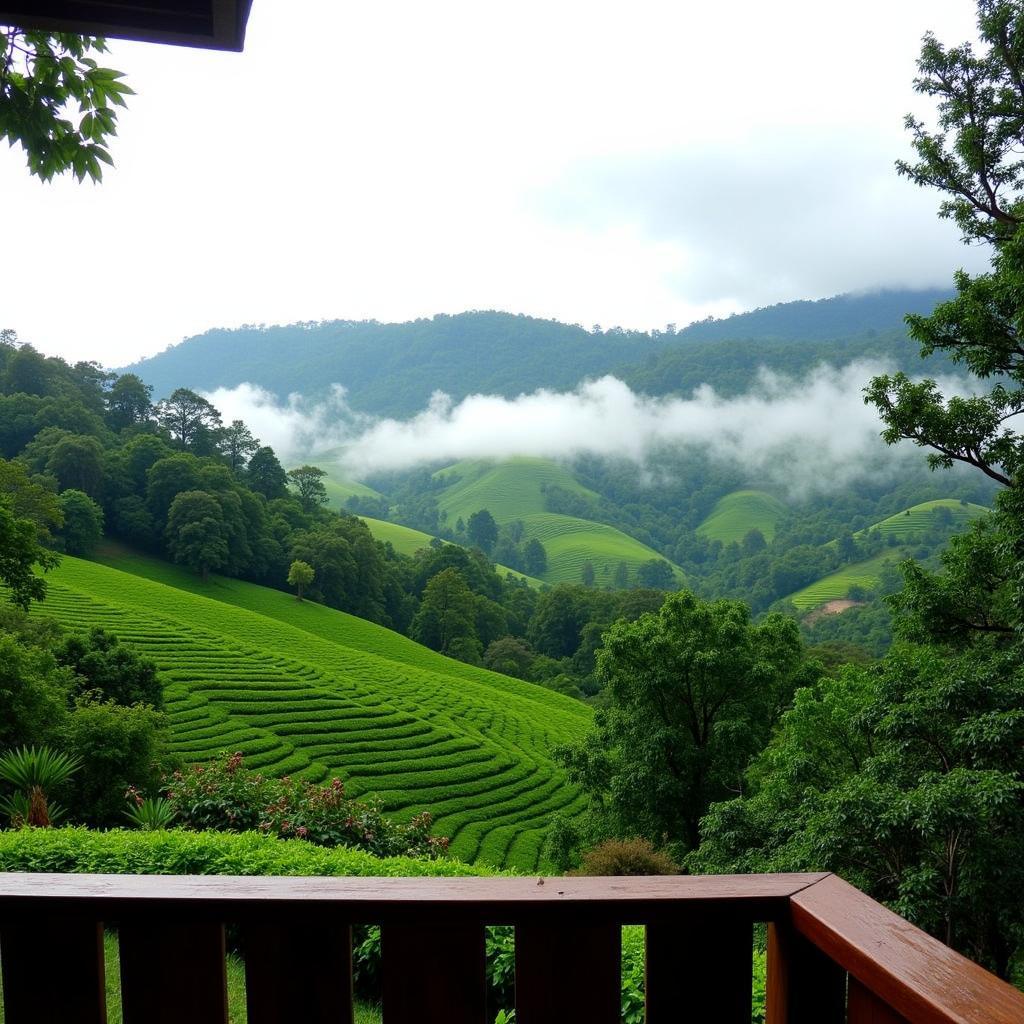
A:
393,369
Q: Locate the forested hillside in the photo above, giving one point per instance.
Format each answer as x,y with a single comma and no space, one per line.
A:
393,369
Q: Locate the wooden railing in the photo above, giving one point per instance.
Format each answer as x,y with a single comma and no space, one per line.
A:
834,955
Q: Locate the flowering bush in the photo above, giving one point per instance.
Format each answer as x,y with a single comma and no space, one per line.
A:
226,796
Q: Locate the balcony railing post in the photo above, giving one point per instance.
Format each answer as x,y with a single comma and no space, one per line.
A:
803,985
701,966
864,1007
568,972
299,970
53,971
434,973
172,973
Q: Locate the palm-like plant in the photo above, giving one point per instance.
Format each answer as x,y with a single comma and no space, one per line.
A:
150,814
35,772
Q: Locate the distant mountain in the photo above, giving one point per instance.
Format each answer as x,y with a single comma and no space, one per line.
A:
393,369
842,316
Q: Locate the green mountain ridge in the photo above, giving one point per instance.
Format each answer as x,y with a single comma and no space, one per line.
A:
392,369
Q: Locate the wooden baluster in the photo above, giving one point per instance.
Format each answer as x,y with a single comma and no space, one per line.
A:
700,969
53,971
299,971
571,973
433,973
864,1007
172,973
804,986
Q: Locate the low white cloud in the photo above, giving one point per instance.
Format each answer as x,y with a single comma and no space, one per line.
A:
809,434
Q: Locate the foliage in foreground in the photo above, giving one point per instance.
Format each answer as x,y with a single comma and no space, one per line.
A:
227,796
182,852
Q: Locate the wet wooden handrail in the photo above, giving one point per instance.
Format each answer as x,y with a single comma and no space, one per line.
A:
834,955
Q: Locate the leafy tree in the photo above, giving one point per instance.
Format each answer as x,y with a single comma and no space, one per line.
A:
129,402
535,558
482,530
20,553
300,575
621,578
109,670
693,691
587,574
119,748
83,522
655,574
511,656
265,475
237,444
167,478
187,417
308,481
33,692
446,620
77,462
197,534
42,75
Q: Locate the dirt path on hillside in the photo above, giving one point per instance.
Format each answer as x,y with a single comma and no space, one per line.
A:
830,608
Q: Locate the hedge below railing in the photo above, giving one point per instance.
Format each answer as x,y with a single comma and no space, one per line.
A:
181,852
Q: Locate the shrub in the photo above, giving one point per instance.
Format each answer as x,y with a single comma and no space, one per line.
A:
225,795
626,857
179,851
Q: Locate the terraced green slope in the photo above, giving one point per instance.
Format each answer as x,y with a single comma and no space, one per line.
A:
307,690
835,587
736,514
511,490
920,518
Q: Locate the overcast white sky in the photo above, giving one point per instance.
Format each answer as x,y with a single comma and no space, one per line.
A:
631,163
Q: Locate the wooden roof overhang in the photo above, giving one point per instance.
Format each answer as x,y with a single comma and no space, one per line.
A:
214,24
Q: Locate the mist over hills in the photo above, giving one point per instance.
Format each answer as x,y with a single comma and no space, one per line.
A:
393,369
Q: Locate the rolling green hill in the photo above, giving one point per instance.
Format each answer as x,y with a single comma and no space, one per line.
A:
509,489
512,490
302,689
736,514
836,585
407,541
920,518
339,491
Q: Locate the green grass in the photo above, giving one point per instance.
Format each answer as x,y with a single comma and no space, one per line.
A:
509,490
303,689
512,490
340,490
836,586
921,518
736,514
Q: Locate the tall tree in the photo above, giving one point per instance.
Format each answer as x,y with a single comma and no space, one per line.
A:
237,444
20,554
446,620
300,576
129,402
187,417
77,462
83,522
308,481
197,534
482,530
265,475
693,691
